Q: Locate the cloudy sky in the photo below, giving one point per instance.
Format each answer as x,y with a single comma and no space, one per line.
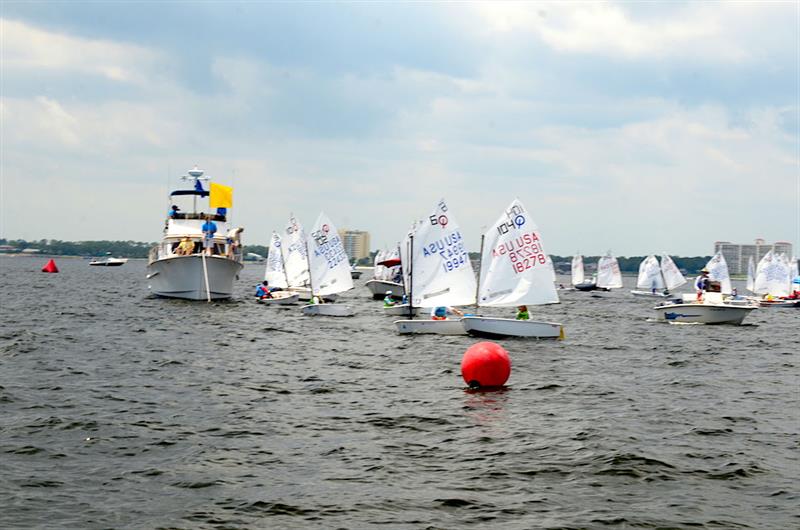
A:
630,127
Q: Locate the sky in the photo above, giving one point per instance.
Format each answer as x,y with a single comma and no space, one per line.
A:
630,127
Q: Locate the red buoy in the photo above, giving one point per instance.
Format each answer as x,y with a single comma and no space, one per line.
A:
485,364
50,267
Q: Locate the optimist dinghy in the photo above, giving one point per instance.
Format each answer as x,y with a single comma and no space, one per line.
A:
514,272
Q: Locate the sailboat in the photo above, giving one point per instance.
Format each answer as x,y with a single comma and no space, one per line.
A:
514,272
773,280
403,309
196,273
275,275
608,274
295,259
329,269
659,278
387,274
440,273
712,308
579,280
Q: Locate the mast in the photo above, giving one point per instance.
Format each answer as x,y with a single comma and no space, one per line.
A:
308,264
480,272
283,266
411,277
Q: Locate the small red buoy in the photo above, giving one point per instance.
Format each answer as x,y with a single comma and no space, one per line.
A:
485,364
50,267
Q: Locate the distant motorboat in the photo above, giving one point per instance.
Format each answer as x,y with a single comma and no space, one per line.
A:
108,262
712,309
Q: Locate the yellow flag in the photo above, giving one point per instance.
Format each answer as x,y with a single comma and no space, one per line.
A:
220,196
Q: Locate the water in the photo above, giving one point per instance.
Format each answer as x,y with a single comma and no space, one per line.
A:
118,410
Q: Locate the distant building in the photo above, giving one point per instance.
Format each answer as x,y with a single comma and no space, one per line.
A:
356,243
737,255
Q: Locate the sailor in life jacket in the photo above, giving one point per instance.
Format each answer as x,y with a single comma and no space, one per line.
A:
441,312
388,301
262,291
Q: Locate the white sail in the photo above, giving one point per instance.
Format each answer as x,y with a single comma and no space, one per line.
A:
608,273
673,278
772,276
514,265
552,268
392,274
377,271
441,273
650,274
294,253
275,274
405,257
330,268
718,272
577,270
751,275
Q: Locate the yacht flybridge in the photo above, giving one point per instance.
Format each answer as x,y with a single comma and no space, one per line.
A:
200,254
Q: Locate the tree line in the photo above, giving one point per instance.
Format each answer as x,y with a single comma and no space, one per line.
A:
137,249
121,249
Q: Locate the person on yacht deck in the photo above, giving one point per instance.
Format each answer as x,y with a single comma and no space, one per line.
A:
701,283
209,229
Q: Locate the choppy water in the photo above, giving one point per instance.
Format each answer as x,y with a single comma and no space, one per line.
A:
118,410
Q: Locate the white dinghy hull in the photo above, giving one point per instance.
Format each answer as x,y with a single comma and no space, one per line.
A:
328,310
379,288
280,298
304,294
183,277
650,294
400,310
433,327
490,327
703,313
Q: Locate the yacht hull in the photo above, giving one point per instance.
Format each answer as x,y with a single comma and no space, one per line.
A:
183,277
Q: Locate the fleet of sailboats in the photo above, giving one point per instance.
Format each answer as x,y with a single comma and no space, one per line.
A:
430,270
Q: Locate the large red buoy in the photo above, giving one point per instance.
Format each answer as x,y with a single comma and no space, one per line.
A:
50,267
485,364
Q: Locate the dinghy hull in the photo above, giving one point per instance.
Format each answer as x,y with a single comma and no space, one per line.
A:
280,298
495,328
328,310
434,327
379,288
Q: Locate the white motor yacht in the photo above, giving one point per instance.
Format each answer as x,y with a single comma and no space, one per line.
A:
179,266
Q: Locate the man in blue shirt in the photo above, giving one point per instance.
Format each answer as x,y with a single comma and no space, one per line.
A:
209,229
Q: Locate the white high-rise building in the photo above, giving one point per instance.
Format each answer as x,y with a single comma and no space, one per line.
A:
737,255
356,243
